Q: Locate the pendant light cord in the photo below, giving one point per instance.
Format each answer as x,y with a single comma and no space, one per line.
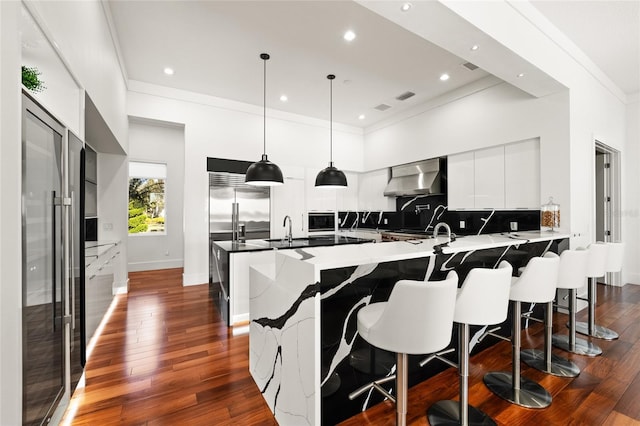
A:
264,104
331,120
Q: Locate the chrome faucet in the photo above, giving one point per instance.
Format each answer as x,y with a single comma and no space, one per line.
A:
436,230
284,223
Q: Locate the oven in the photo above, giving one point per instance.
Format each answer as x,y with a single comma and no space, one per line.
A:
321,222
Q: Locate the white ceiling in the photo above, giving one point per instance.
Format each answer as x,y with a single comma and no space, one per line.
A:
608,32
214,47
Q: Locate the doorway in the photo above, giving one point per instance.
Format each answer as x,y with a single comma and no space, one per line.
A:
607,199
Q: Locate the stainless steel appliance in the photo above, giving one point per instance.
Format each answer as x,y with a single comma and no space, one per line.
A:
237,212
425,177
321,222
52,264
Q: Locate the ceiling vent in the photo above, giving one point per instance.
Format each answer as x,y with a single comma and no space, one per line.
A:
405,96
470,66
382,107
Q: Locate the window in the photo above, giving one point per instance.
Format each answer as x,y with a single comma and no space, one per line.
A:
147,198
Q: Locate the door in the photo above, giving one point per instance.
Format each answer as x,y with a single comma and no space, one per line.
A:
76,250
43,267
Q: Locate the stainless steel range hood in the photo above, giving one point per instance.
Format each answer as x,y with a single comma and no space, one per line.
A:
421,177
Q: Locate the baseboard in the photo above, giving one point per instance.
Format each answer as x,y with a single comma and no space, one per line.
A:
195,279
155,264
121,287
632,279
241,319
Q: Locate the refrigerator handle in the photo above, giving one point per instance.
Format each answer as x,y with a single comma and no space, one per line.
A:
53,263
72,279
234,221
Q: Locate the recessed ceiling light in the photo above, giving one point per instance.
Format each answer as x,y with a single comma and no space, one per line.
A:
520,75
475,47
168,71
349,35
284,98
444,77
405,7
361,117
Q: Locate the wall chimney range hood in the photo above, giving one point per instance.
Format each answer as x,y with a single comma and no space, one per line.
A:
425,177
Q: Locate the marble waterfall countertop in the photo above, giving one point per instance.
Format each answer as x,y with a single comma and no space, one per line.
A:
303,307
341,256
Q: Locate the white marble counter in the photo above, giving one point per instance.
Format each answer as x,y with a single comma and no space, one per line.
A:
340,256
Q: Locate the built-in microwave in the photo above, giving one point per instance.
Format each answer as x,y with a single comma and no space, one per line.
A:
321,222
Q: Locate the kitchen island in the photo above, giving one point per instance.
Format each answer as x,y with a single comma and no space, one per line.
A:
305,353
231,260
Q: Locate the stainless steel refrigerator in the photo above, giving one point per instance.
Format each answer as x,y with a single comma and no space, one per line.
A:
52,266
237,212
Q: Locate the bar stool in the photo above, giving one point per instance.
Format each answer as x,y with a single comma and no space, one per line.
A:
537,284
571,276
483,299
597,266
417,319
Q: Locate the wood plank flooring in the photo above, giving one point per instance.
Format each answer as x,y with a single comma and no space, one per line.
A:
166,358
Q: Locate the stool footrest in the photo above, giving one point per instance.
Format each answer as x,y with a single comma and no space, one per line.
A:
448,413
528,316
491,332
375,385
438,356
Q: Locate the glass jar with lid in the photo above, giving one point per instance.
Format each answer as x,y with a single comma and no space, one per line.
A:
550,215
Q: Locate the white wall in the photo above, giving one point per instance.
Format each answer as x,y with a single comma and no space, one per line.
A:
494,116
81,30
221,128
10,219
160,143
631,194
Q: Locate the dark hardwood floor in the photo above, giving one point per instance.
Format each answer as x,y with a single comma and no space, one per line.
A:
166,358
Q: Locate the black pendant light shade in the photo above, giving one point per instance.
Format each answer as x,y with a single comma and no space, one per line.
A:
264,172
331,177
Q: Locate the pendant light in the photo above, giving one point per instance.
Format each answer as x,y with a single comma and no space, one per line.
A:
331,177
264,172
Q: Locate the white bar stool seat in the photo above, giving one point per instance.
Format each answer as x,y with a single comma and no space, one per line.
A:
537,284
483,299
603,258
571,276
417,319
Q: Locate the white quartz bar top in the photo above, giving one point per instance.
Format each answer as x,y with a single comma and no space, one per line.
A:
361,254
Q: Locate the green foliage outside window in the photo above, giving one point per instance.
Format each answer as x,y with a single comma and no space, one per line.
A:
146,205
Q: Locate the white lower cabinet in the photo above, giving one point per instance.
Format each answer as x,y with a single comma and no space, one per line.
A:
99,292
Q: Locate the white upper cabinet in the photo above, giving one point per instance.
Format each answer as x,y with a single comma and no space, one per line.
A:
522,174
500,177
488,172
347,198
288,200
460,181
318,199
371,192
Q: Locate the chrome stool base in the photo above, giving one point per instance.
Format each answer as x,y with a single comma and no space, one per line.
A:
558,366
599,332
530,394
445,413
581,347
